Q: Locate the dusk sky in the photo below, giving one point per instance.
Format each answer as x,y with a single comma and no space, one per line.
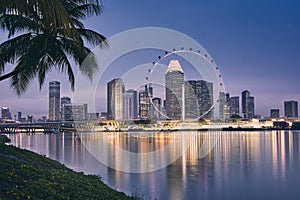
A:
256,45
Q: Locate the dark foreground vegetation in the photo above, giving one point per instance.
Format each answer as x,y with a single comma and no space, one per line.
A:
27,175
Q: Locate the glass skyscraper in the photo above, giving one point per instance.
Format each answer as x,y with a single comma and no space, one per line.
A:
54,100
174,83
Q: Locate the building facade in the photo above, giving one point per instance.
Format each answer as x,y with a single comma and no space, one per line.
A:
174,84
54,100
247,105
274,113
130,104
234,107
115,99
224,105
291,109
5,113
74,112
145,97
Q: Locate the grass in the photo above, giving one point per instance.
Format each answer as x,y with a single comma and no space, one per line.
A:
27,175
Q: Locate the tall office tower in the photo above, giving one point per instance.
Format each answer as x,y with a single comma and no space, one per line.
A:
224,105
274,113
291,109
234,107
145,96
19,116
115,99
5,113
247,105
204,92
64,101
251,113
156,108
130,104
54,100
174,83
191,101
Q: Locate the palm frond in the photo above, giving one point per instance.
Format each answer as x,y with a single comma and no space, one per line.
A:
93,37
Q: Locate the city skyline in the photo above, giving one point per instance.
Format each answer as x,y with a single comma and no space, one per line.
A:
257,50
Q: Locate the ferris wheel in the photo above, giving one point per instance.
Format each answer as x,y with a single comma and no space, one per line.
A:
203,64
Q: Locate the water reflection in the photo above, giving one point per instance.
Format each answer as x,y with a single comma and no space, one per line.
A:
245,165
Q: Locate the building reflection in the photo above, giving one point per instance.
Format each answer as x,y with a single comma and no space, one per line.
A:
249,154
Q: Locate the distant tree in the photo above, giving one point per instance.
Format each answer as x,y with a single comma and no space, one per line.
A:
44,35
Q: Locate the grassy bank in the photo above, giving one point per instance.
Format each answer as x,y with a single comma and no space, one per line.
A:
27,175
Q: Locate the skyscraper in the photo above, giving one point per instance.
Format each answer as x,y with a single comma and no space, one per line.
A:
145,96
234,106
204,91
54,100
130,104
291,109
247,104
156,108
64,101
191,101
174,83
115,99
224,105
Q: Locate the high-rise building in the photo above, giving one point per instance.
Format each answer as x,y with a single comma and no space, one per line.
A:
115,99
54,100
274,113
204,92
5,113
64,101
19,116
157,108
234,107
198,99
130,104
291,109
247,105
174,83
224,105
145,96
191,101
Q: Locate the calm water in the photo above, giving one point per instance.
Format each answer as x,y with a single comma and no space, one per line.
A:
242,165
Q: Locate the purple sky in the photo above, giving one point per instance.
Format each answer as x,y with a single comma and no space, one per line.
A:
255,43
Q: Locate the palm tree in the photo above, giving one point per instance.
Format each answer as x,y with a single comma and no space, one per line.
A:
44,35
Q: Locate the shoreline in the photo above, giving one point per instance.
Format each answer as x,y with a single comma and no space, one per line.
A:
25,175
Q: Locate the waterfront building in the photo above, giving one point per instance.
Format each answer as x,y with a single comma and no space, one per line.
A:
115,99
157,108
5,113
291,109
204,91
54,100
77,112
224,105
19,116
198,99
274,113
234,107
174,84
92,116
191,101
145,96
247,105
64,101
130,104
